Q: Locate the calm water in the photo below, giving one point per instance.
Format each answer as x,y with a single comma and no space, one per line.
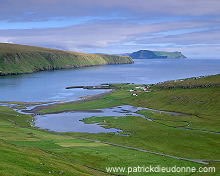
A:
50,85
71,121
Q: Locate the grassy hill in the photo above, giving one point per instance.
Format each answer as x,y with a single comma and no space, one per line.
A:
194,82
17,59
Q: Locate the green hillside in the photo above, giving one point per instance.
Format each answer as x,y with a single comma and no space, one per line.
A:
17,59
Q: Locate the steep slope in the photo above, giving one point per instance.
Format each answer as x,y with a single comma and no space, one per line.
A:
17,59
147,54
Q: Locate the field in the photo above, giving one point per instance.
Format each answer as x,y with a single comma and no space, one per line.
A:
189,139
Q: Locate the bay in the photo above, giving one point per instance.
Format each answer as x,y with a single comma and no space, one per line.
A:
50,85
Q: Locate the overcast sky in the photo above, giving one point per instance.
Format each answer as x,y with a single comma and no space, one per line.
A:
114,26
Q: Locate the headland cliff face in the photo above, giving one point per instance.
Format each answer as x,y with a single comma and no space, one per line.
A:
17,59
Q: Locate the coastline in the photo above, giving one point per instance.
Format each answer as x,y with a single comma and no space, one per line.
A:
35,107
96,96
55,104
178,83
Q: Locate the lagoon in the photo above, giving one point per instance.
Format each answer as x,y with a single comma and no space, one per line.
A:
49,86
72,121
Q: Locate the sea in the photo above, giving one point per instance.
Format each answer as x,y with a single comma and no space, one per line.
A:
46,86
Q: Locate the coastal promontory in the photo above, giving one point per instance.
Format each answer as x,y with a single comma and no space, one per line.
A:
17,59
147,54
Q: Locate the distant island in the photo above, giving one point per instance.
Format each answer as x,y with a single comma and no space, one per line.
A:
17,59
147,54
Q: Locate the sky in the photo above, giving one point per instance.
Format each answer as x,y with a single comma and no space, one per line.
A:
114,26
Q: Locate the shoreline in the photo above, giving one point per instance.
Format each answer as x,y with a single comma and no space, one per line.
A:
51,104
95,96
81,100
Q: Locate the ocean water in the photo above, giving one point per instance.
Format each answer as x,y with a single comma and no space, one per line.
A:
50,85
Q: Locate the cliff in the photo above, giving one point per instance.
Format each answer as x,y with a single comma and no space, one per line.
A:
17,59
146,54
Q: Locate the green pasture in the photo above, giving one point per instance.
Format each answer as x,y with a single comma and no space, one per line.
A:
22,150
42,152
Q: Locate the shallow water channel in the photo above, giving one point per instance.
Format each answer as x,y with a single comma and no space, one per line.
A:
71,121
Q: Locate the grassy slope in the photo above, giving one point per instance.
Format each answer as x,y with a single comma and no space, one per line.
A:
23,150
194,82
26,59
29,151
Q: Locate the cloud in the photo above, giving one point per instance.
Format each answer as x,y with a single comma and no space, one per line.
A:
115,26
209,37
98,35
32,10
